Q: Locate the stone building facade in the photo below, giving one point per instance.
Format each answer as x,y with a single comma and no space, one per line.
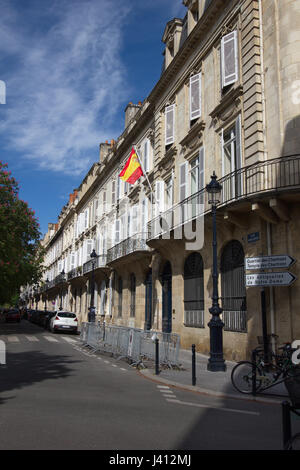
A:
228,100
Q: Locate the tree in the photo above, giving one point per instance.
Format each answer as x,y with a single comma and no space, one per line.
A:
21,254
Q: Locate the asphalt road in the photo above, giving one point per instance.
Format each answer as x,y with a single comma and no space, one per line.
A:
54,395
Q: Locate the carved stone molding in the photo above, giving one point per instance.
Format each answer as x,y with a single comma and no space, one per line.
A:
168,161
193,139
228,107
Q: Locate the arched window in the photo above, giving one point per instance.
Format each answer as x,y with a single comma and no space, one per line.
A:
194,291
233,287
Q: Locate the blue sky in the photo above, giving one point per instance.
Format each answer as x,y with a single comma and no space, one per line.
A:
70,68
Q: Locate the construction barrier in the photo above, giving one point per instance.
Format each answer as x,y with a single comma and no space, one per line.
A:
131,343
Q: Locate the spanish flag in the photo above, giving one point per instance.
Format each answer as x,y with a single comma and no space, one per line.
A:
132,169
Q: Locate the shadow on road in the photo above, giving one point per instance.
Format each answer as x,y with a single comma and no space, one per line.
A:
26,368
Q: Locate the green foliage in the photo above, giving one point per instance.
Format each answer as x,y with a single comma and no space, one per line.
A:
21,254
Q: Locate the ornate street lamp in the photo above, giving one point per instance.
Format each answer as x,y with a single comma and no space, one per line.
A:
62,275
92,315
216,361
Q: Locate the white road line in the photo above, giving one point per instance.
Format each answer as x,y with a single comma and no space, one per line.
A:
69,340
51,339
169,395
123,369
230,410
114,365
31,338
13,339
106,362
163,387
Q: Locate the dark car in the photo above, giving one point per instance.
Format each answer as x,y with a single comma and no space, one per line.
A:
13,315
47,319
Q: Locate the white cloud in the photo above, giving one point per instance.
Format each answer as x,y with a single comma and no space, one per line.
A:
65,81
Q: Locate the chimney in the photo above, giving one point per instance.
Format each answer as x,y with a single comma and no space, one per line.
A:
104,148
130,111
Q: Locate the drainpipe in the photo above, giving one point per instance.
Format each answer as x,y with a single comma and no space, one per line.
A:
272,313
269,228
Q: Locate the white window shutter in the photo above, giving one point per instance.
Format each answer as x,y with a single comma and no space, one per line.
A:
117,232
72,264
159,196
183,181
195,96
134,219
89,248
201,168
144,215
229,58
113,192
146,155
86,218
169,124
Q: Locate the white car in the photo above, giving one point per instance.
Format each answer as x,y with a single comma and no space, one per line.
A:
64,321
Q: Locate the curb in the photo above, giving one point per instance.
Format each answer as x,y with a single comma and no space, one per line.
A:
150,375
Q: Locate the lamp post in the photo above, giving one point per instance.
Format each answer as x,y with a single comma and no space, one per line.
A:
91,315
216,361
61,291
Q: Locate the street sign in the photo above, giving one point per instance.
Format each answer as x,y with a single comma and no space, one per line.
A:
270,279
269,262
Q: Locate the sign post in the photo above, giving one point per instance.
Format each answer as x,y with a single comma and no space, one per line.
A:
268,279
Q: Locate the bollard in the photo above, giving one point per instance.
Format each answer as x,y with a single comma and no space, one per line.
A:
254,372
193,364
156,356
286,423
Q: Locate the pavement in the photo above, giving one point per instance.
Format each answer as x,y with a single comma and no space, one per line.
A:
210,383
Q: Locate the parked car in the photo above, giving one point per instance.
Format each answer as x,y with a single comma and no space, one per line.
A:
64,321
47,319
13,315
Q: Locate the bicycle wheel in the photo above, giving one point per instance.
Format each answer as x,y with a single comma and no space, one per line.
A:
293,443
241,377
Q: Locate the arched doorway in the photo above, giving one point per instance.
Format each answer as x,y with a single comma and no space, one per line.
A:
194,291
233,287
167,298
148,301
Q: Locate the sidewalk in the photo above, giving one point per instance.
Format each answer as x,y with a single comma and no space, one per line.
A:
212,383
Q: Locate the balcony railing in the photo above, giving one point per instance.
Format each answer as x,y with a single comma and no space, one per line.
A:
128,246
276,175
99,262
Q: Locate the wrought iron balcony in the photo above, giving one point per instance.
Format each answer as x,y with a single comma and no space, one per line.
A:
99,262
276,175
75,272
132,244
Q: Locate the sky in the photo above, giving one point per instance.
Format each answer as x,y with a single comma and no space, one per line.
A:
70,68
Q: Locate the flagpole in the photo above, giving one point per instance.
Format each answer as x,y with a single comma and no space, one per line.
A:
145,174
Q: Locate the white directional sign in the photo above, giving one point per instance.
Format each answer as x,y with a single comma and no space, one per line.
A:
270,279
269,262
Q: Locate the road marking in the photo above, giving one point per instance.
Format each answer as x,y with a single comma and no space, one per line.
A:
230,410
123,369
114,365
51,339
31,338
13,339
163,386
69,340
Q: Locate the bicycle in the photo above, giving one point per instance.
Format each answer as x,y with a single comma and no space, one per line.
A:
293,443
264,374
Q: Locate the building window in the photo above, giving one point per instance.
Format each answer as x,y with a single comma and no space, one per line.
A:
197,183
229,59
195,97
232,160
169,124
132,294
194,291
233,287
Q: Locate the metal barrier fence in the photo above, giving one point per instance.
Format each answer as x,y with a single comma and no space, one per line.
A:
131,343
